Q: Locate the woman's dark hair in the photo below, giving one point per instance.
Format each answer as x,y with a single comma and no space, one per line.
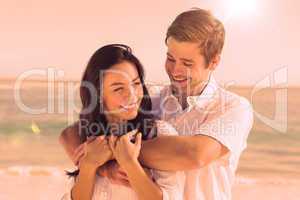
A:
102,60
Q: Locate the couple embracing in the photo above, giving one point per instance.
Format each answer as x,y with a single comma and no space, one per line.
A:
182,143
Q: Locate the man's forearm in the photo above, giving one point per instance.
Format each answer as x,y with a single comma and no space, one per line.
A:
181,152
169,153
70,140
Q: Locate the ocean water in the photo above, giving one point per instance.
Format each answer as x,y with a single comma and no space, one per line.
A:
29,143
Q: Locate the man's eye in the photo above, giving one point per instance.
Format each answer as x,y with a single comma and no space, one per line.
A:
137,83
187,64
170,59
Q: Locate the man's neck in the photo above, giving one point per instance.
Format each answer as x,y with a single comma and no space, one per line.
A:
182,96
182,99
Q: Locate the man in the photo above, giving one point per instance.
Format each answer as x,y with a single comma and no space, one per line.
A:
213,124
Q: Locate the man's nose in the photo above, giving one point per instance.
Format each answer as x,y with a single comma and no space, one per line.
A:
177,70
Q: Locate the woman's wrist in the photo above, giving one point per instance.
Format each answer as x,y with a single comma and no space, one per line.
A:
129,163
87,166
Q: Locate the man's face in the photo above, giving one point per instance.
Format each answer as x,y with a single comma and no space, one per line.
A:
186,67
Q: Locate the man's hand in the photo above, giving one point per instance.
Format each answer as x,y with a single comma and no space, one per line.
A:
79,151
111,169
97,152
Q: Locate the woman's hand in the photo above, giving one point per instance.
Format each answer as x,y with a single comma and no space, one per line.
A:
96,152
123,149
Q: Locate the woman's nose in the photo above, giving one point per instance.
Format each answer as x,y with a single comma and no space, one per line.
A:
132,95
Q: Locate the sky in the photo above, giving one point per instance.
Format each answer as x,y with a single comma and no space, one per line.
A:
262,36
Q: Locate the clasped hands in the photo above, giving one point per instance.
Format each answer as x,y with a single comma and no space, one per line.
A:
110,155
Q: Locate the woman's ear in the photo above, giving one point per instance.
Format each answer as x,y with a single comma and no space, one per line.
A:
214,62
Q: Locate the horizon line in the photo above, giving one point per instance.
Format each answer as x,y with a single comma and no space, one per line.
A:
10,79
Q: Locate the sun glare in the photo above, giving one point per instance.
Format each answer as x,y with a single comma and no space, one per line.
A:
240,8
237,9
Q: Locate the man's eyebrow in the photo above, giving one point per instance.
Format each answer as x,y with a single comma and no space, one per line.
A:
168,54
182,59
187,60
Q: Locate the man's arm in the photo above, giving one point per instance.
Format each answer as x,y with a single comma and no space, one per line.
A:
70,140
162,153
229,133
180,152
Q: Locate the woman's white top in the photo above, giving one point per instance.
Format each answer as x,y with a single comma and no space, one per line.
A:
171,183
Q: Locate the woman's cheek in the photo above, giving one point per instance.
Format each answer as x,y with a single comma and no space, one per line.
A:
140,93
113,102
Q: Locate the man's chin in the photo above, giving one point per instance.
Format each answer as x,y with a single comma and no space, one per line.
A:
180,88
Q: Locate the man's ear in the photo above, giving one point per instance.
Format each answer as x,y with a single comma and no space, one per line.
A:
214,62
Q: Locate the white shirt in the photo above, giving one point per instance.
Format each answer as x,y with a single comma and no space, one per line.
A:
171,183
217,113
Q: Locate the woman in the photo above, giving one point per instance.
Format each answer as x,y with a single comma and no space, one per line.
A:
115,101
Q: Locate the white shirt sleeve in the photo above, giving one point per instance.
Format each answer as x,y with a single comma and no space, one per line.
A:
232,127
170,182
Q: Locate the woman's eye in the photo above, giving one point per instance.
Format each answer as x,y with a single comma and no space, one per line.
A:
137,83
118,89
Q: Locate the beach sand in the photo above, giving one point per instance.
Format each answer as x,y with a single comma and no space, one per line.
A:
44,187
267,191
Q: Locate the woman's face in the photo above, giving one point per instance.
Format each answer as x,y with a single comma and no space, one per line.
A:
122,92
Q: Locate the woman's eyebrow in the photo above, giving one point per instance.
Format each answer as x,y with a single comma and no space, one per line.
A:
133,80
116,84
120,83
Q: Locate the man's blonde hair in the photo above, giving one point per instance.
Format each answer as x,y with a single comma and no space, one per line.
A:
198,25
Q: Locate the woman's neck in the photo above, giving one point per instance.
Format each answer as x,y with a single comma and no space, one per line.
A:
116,125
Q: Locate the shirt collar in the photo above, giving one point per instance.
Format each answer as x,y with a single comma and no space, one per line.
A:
207,94
200,100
